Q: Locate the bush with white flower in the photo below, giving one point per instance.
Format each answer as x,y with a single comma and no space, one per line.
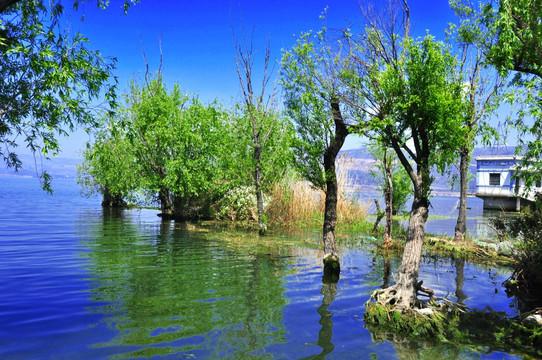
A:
238,204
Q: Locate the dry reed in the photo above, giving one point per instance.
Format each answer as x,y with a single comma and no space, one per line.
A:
296,201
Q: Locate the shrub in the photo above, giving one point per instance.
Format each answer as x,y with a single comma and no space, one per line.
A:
238,204
526,280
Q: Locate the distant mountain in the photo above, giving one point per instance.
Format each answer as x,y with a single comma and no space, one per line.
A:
360,163
56,167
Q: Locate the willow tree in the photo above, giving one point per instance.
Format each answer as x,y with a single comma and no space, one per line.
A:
149,118
168,146
51,81
109,167
424,129
481,88
200,166
312,91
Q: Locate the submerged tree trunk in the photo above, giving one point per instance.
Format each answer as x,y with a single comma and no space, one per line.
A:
258,184
461,225
332,267
112,200
407,285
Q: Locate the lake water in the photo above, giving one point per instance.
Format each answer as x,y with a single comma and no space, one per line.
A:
443,213
78,282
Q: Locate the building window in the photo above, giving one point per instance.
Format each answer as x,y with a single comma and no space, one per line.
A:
495,179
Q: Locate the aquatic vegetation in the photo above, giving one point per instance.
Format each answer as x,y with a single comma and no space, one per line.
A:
453,323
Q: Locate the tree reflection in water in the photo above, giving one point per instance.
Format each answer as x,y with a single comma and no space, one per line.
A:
325,335
459,280
164,289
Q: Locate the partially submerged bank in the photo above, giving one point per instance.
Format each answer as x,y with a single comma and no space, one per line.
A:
447,322
465,249
441,320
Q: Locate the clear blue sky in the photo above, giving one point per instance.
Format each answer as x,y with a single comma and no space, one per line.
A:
197,43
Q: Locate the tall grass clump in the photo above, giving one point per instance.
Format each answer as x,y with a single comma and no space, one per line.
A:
349,209
295,201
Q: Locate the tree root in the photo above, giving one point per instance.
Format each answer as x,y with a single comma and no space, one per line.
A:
427,292
384,296
390,297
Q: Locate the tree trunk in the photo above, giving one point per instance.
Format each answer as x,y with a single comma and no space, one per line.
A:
387,272
407,285
331,257
389,203
166,205
461,225
258,183
332,267
379,216
112,201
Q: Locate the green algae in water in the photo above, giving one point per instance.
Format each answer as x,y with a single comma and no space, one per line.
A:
484,331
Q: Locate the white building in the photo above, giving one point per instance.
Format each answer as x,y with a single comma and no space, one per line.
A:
497,185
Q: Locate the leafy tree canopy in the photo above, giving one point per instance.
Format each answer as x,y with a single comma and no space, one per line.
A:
311,80
510,34
51,80
425,121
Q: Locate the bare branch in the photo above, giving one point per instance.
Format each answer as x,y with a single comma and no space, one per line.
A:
161,57
145,60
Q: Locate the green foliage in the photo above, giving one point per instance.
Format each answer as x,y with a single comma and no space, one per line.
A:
196,165
519,35
150,121
429,99
161,141
509,32
526,280
109,165
528,123
424,120
50,80
310,80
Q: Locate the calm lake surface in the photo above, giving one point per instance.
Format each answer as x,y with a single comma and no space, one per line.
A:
80,283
